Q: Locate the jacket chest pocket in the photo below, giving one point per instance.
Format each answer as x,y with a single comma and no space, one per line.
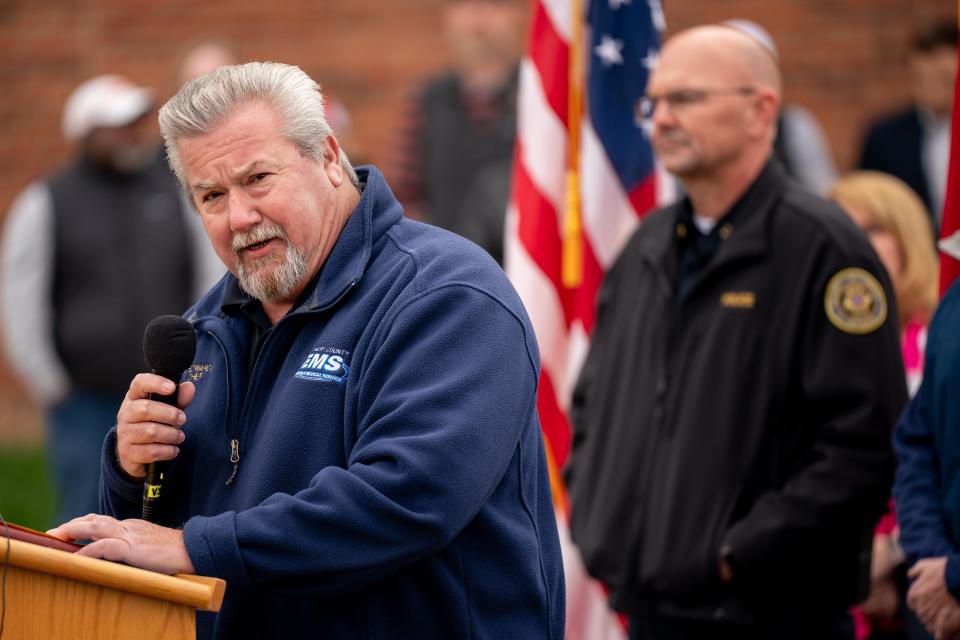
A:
305,408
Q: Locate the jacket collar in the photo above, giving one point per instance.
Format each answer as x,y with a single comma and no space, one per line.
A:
377,211
747,222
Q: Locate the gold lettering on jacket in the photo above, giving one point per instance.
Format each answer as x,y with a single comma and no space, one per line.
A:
738,299
197,371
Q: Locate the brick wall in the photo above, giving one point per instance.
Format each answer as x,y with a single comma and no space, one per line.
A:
842,59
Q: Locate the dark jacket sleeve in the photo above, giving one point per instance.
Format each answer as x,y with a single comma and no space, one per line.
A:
918,491
851,388
923,532
120,496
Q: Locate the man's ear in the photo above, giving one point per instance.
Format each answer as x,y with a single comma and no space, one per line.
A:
768,105
767,108
331,161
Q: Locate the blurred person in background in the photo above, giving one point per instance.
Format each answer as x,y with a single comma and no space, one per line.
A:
338,116
731,422
203,57
453,165
913,144
896,223
90,255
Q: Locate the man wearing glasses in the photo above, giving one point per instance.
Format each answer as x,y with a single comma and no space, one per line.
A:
731,423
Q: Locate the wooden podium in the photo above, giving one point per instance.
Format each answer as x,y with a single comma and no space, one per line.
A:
56,594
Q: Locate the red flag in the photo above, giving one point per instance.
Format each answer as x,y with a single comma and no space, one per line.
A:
583,177
950,225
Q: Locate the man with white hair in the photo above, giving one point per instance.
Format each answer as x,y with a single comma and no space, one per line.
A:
90,256
357,450
731,423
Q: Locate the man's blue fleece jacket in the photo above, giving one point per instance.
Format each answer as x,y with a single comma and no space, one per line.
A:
391,480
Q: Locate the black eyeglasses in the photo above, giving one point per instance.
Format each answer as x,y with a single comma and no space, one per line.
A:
680,98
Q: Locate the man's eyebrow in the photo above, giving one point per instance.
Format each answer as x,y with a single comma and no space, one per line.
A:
202,186
245,170
248,168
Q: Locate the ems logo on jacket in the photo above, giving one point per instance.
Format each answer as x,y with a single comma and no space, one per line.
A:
325,365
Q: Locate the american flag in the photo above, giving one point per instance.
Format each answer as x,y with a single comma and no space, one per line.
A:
583,177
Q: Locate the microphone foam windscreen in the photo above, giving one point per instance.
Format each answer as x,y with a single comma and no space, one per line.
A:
169,344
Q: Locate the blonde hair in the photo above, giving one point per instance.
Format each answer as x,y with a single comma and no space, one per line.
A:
893,206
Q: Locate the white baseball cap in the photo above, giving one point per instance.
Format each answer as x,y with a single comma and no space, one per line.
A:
104,101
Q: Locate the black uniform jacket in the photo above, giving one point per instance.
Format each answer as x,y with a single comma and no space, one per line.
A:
749,420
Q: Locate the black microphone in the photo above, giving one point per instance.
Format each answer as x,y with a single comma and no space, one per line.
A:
169,345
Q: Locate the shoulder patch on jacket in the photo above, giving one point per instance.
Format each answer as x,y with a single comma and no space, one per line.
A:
855,301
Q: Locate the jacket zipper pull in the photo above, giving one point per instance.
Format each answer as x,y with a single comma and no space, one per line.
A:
234,458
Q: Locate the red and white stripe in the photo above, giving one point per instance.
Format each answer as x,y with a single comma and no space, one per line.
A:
563,318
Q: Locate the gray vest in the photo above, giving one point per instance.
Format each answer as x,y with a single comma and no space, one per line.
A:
122,256
466,166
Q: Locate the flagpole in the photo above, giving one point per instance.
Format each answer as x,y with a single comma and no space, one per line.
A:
572,258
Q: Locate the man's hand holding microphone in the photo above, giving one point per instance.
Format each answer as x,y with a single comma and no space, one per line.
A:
149,432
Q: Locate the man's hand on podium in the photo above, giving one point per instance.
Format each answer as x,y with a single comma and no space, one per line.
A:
147,430
135,542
